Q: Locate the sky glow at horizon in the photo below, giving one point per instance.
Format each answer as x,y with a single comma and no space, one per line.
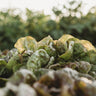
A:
40,5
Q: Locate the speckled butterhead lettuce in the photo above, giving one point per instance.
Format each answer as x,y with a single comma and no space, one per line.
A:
63,67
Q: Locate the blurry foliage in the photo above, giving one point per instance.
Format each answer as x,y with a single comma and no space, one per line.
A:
69,19
35,24
11,28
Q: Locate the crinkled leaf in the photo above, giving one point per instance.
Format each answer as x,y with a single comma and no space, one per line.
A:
88,45
15,60
48,45
90,57
26,43
83,67
78,50
64,39
10,54
23,76
38,59
59,46
68,54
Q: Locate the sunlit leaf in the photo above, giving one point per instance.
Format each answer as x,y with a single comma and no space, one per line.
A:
26,43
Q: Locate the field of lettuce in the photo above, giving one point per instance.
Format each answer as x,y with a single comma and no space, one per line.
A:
40,56
63,67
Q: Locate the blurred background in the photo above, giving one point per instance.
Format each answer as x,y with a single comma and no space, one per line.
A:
40,18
